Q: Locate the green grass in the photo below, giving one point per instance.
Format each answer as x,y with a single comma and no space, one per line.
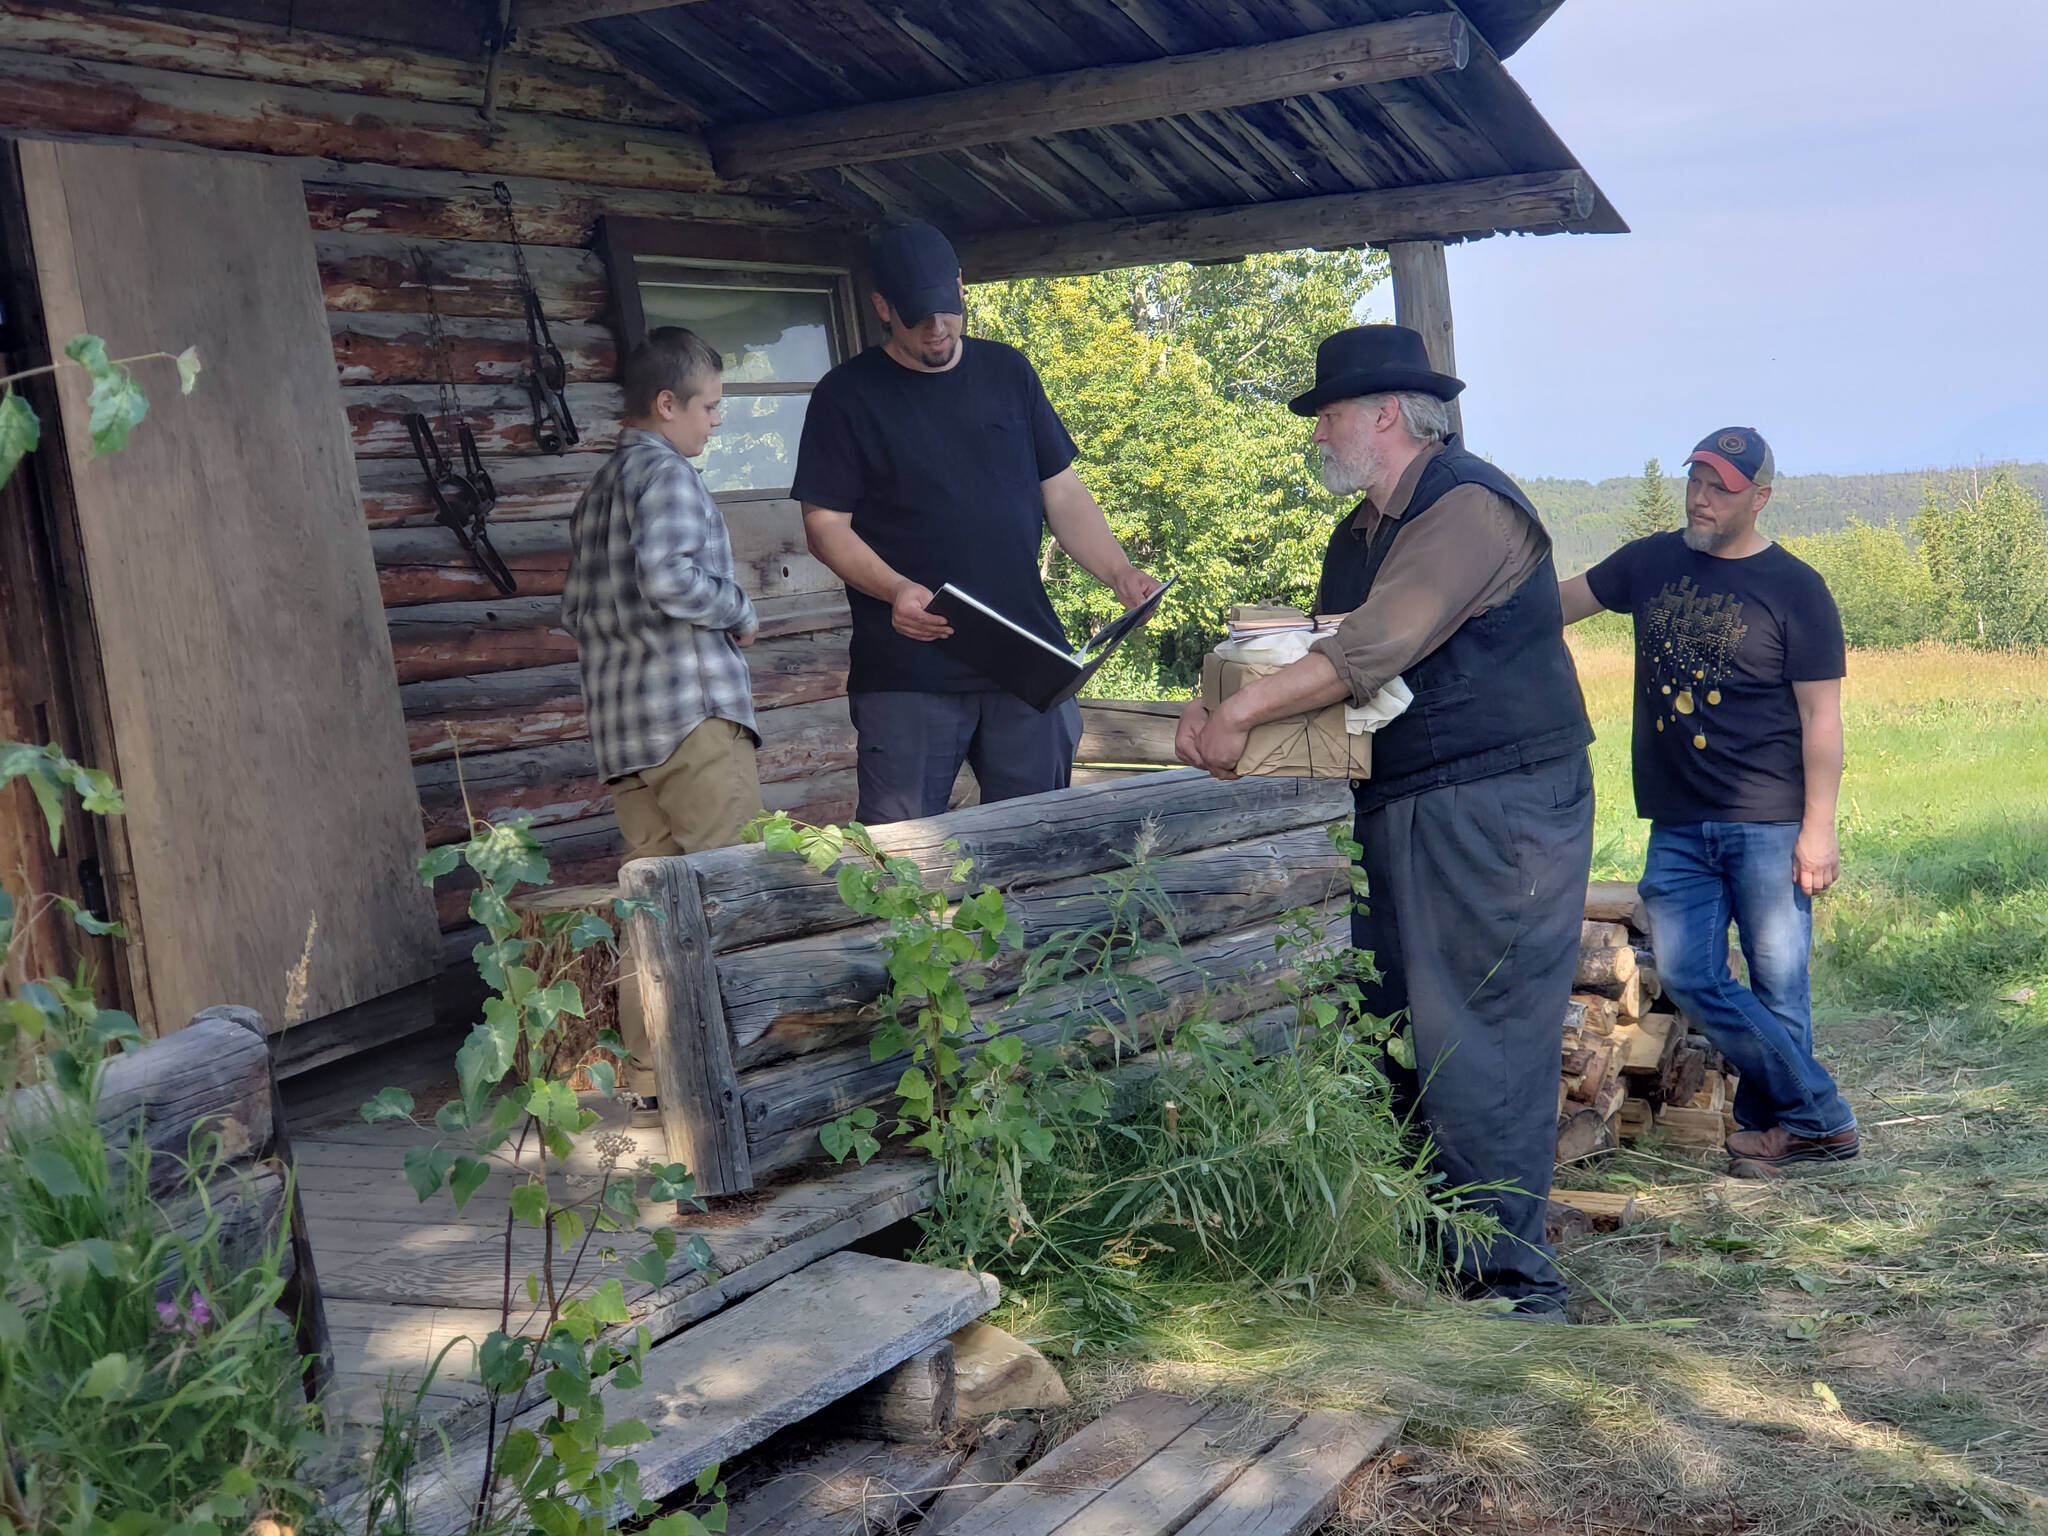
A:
1911,1285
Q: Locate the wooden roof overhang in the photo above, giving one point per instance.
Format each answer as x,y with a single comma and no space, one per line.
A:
1052,136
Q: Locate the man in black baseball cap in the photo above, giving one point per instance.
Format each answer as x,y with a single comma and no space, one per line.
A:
1476,827
932,458
1738,764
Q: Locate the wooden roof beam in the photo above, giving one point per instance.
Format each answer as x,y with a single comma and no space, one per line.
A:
1094,98
1541,202
534,14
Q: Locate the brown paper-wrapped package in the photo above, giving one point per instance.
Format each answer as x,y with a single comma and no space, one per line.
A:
1311,746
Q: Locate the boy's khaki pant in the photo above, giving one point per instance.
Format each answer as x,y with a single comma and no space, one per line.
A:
701,797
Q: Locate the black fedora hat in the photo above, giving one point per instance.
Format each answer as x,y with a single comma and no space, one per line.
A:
1373,360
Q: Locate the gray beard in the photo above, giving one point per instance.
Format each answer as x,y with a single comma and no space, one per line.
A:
1342,477
1701,542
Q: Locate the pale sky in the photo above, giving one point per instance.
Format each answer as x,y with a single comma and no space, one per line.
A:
1840,216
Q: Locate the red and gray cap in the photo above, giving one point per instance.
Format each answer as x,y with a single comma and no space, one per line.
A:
1739,456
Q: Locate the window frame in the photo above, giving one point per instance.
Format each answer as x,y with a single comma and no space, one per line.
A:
735,257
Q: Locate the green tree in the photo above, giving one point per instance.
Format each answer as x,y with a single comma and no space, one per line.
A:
1174,382
1654,509
1878,580
1984,548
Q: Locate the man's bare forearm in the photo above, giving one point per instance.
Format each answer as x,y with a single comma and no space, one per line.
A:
1300,686
850,557
1079,527
1820,751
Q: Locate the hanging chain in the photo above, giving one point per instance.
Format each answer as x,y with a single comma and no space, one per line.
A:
444,381
503,194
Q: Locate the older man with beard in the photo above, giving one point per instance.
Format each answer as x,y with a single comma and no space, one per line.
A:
1477,824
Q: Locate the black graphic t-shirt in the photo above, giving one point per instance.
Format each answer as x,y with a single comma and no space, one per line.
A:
1719,644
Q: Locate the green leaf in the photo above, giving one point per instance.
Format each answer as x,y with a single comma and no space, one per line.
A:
468,1176
626,1432
112,1376
426,1168
501,1363
13,1325
508,854
650,1269
1402,1050
605,1076
436,862
19,431
56,1174
188,370
1805,1328
99,927
117,401
568,1228
493,1045
389,1104
530,1204
589,929
608,1303
1826,1394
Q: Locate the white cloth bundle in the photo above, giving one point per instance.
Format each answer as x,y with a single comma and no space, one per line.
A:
1276,650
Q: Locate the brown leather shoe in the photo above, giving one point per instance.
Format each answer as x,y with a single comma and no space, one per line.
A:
1761,1154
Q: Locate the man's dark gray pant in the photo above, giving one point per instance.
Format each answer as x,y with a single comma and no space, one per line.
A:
911,746
1476,894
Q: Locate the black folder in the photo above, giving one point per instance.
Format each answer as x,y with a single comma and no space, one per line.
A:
1020,662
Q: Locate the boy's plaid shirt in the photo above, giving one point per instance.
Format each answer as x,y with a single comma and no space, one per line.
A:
652,603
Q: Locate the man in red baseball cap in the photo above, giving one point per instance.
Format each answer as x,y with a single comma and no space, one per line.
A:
1738,763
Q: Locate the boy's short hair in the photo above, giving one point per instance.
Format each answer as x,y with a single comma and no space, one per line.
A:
671,358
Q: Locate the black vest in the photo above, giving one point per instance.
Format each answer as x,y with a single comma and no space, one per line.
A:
1499,693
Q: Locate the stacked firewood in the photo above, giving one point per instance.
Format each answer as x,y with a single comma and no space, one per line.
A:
1631,1061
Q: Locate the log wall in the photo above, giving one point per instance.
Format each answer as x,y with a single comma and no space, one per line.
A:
404,189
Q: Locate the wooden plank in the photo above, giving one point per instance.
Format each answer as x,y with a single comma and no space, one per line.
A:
780,1356
1422,302
1092,98
500,415
1077,1471
500,711
467,277
1165,1490
838,1487
686,1032
781,998
450,205
255,620
250,50
529,486
1535,203
994,1462
558,782
43,94
428,565
1128,731
752,895
533,14
785,1103
1293,1489
399,349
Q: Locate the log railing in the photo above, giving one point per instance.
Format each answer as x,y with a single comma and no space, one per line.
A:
759,982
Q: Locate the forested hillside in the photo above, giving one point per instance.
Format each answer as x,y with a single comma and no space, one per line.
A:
1584,516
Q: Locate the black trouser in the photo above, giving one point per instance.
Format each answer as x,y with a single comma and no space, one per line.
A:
911,746
1476,893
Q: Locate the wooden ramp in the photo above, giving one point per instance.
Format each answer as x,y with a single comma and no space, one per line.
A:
1156,1465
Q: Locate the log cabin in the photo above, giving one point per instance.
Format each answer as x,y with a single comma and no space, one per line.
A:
350,208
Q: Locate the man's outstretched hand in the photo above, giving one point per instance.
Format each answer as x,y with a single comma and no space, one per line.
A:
908,615
1132,586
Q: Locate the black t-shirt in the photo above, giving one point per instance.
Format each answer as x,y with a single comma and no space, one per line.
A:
942,473
1719,644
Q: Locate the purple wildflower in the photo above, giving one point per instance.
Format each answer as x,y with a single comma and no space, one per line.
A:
190,1318
167,1313
198,1313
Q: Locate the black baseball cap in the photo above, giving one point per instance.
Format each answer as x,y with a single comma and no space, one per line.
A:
916,270
1737,455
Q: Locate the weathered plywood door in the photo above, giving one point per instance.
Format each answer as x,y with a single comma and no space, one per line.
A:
250,691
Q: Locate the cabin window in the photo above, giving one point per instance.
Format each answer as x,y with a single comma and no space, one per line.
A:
778,332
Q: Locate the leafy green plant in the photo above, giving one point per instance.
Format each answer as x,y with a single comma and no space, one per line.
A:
148,1383
117,402
1079,1147
517,1114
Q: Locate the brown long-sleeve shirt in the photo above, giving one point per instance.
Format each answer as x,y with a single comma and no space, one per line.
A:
1470,555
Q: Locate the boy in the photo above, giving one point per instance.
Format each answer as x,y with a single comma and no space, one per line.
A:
659,623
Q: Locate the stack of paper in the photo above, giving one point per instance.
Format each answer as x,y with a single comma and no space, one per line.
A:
1248,620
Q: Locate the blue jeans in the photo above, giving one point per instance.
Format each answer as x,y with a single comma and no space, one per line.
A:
1699,876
